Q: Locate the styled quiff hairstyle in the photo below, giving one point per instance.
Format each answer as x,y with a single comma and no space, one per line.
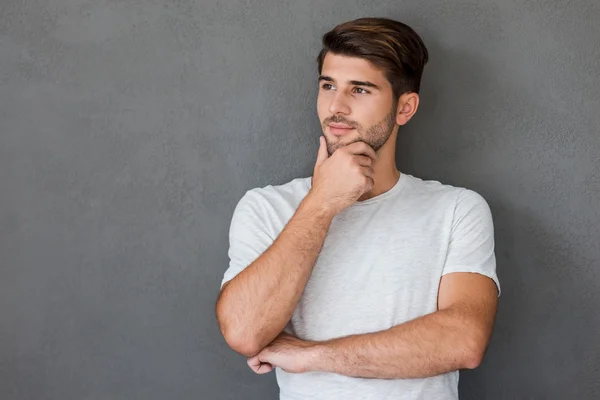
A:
389,45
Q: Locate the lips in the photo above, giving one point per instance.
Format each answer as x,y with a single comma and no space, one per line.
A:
339,129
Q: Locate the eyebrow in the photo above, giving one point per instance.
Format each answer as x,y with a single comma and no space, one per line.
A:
355,83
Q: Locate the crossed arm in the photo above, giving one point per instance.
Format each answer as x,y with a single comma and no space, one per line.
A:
454,337
254,307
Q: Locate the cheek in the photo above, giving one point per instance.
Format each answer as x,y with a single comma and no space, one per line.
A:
374,113
322,108
365,116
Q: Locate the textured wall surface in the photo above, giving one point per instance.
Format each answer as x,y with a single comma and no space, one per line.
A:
130,129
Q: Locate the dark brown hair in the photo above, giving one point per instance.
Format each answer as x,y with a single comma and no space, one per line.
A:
390,45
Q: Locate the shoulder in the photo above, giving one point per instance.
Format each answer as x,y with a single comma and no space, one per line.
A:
458,198
274,196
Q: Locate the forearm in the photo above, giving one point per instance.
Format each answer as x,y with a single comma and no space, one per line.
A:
255,306
434,344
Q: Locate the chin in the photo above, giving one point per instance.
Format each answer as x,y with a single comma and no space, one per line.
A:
336,145
342,140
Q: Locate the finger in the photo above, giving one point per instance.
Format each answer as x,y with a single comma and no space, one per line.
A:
368,172
322,155
362,148
259,367
264,368
370,183
370,175
254,363
363,160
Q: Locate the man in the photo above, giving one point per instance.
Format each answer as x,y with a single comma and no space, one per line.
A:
361,271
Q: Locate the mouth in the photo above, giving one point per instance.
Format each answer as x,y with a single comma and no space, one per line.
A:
339,129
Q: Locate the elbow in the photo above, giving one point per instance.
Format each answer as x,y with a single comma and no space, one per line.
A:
473,352
473,360
237,336
240,342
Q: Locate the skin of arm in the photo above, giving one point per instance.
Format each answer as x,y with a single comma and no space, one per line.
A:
454,337
255,306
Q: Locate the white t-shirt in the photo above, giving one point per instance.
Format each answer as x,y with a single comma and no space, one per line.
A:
380,265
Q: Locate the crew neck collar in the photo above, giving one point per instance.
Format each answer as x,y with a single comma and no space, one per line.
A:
400,183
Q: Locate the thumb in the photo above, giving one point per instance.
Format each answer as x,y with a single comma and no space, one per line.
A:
322,155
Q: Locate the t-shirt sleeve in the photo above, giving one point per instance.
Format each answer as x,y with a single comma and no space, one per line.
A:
471,247
248,235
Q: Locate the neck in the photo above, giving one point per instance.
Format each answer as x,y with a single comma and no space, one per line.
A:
386,173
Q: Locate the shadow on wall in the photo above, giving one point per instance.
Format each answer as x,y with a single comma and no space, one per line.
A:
544,341
446,130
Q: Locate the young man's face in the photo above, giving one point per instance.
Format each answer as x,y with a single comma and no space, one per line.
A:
355,103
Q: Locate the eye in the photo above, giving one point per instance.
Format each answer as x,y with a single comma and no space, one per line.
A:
327,86
361,90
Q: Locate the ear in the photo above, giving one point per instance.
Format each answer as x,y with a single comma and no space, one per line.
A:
407,107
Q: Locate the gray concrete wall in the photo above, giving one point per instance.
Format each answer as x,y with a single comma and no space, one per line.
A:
130,129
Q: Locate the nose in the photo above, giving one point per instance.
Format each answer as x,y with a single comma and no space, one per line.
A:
339,105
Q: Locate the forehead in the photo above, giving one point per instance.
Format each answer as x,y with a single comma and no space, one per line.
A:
344,68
